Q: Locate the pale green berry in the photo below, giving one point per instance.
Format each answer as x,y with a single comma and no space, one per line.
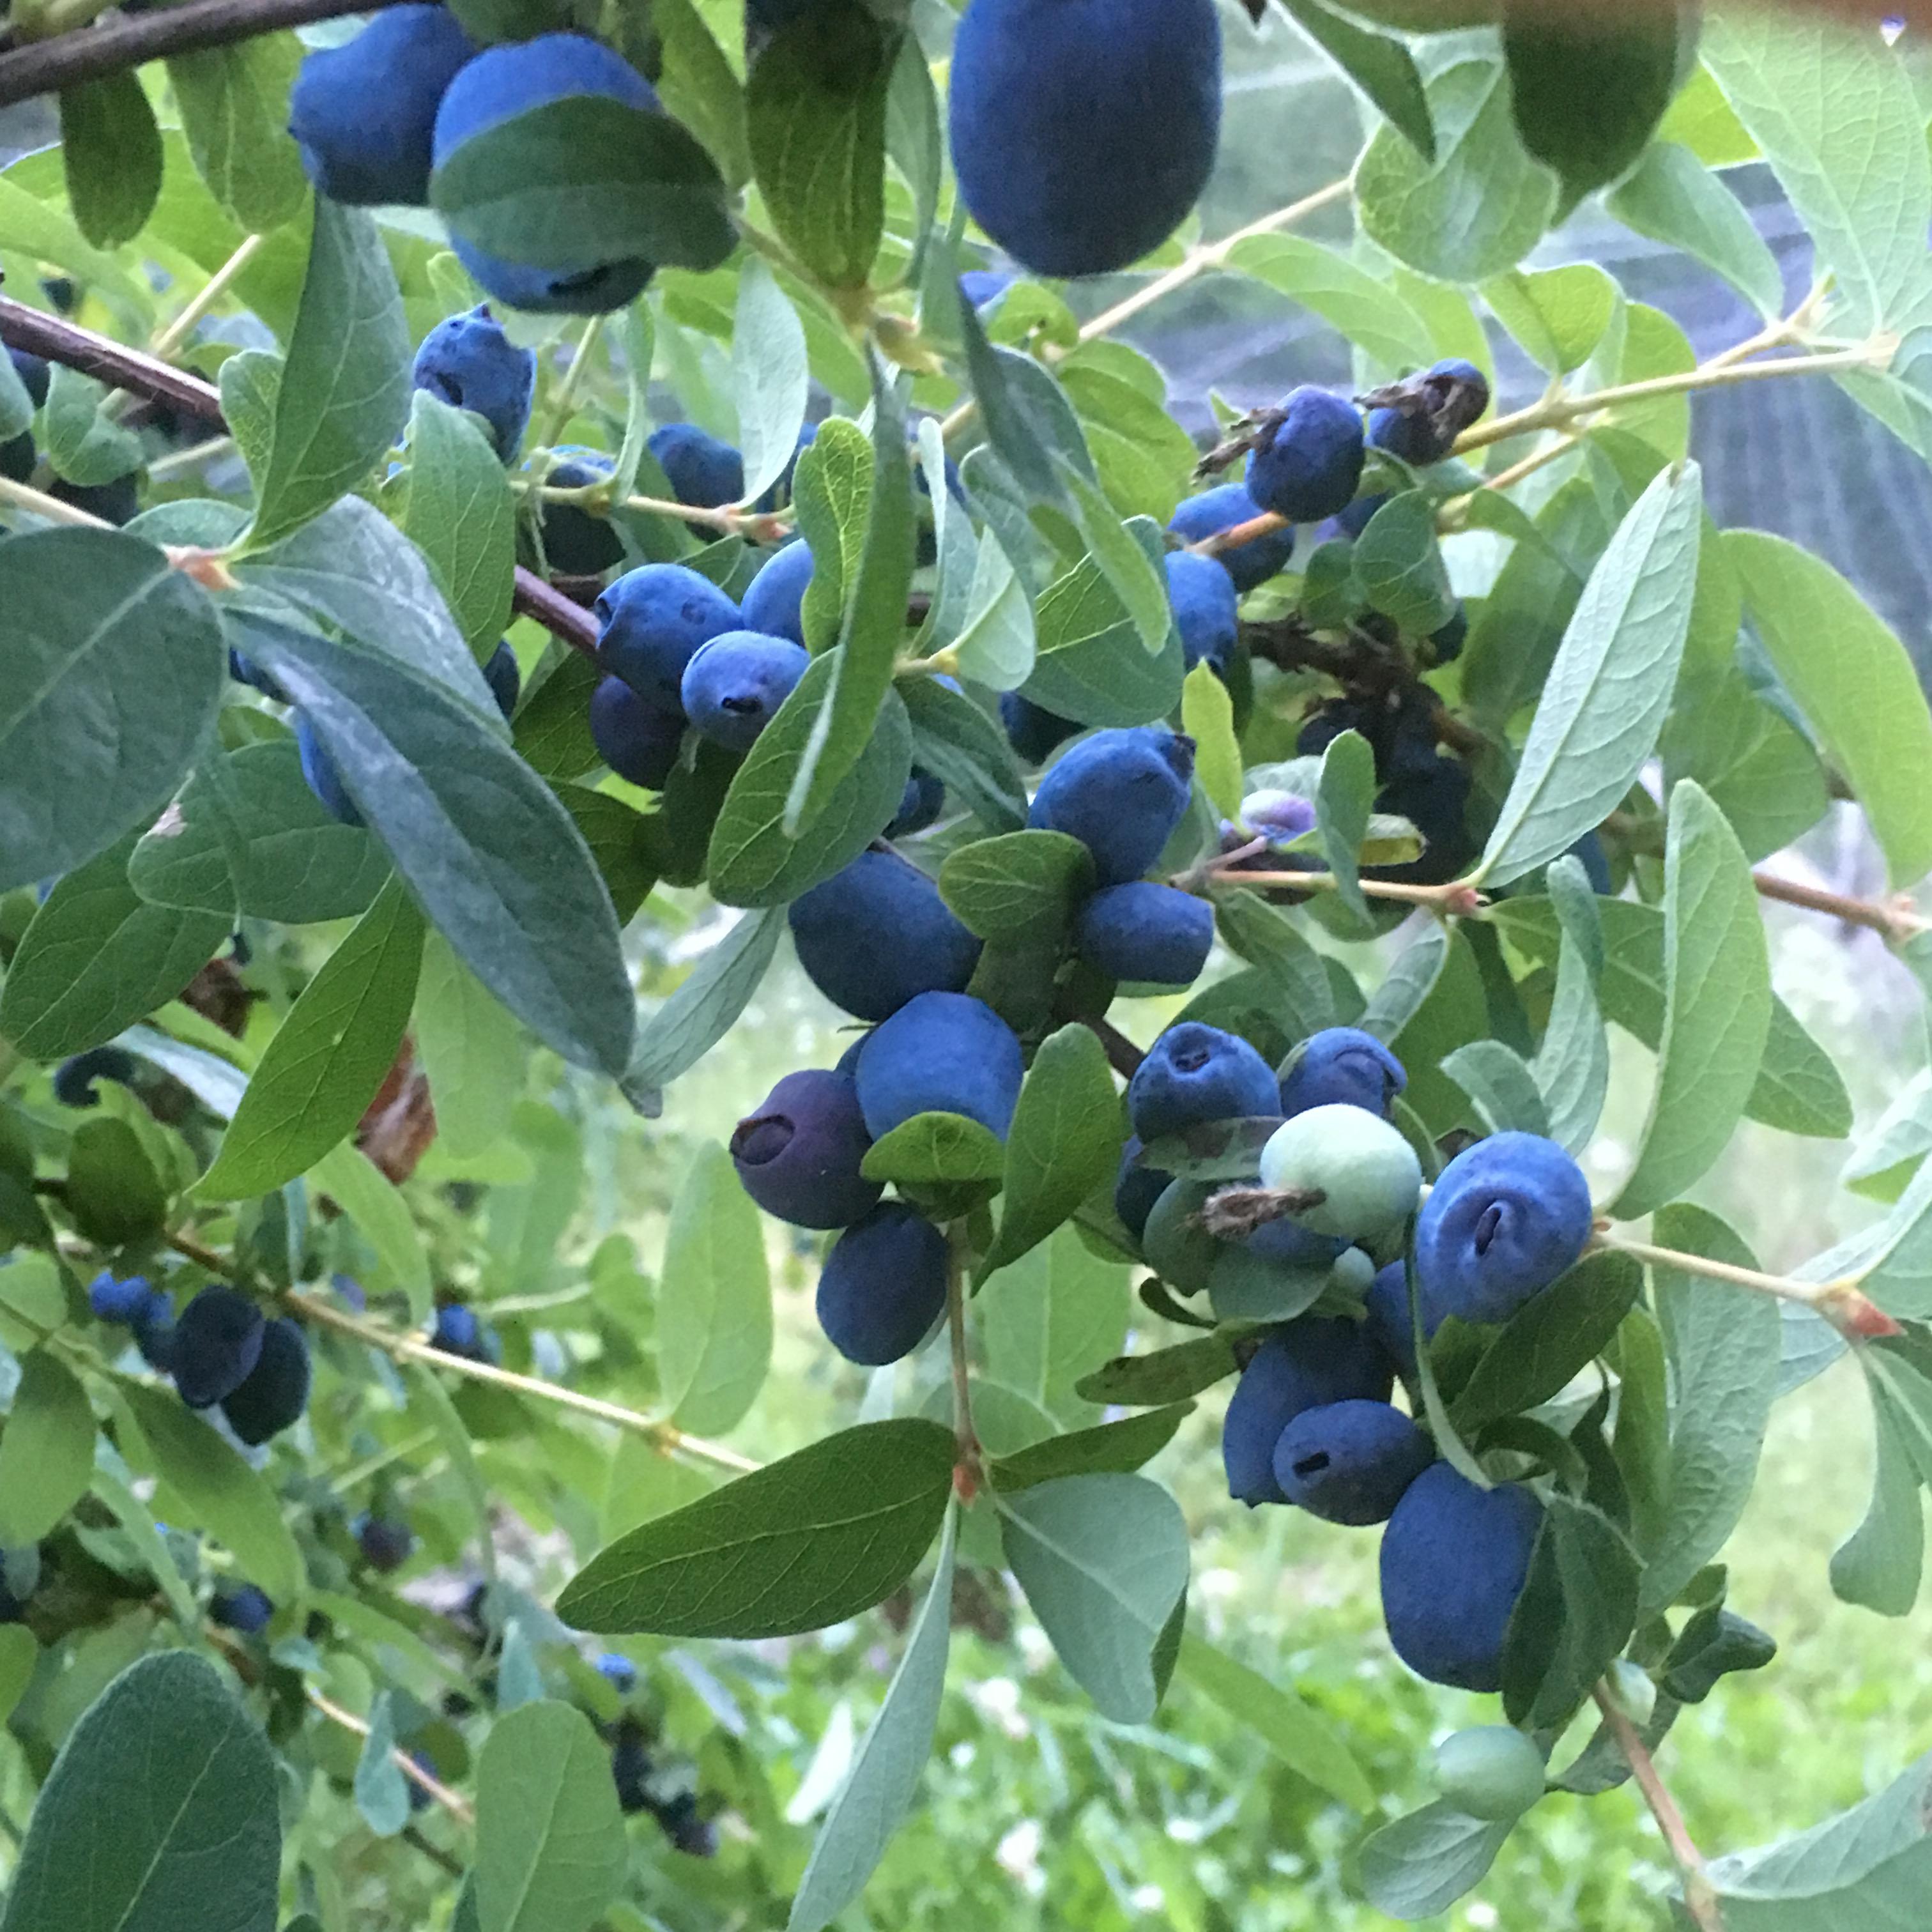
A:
1491,1771
1367,1174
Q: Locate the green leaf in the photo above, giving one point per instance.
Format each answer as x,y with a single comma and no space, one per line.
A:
1407,984
160,1812
872,627
318,1074
95,958
16,405
1502,1085
965,750
1119,1448
804,1542
1289,1727
1054,1314
1760,770
884,1782
1626,70
1089,667
1103,1561
1379,64
139,1527
1344,795
815,108
1576,1612
698,86
115,670
84,443
112,1190
1860,179
996,643
1420,1865
216,1490
1017,885
46,1455
1879,1564
714,1328
581,182
18,1653
832,494
1717,1006
1455,1012
1207,717
248,837
936,1150
363,1193
1864,1870
550,1849
462,515
33,1304
1799,1090
1559,315
351,567
381,1792
1552,1339
486,848
770,379
1609,688
753,861
472,1051
343,397
234,103
1064,1145
1723,1344
1672,197
1480,205
705,1006
111,152
1129,555
1854,682
1398,566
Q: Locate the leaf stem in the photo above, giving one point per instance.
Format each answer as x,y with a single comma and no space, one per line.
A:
454,1802
46,66
1894,918
966,1472
1454,899
217,286
664,1437
23,496
562,403
760,525
1700,1896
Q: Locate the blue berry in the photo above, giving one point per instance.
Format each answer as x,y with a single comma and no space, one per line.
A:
702,471
216,1345
799,1155
940,1053
273,1393
883,1285
1350,1462
1214,511
472,364
1205,605
1309,464
1122,794
877,933
638,740
775,604
1342,1067
1307,1364
1146,932
1195,1072
653,621
734,686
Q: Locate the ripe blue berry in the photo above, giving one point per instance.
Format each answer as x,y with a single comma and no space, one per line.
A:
1214,511
1143,931
1453,1560
940,1053
920,804
1083,132
325,778
883,1285
653,621
1350,1462
1507,1216
798,1156
1122,794
503,82
73,1079
702,471
505,680
638,740
121,1301
1205,605
576,542
1306,1364
1310,464
1034,732
217,1345
1195,1072
1342,1067
734,686
472,364
385,1543
242,1608
364,114
775,604
273,1393
877,933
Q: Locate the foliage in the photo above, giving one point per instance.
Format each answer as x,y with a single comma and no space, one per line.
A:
332,976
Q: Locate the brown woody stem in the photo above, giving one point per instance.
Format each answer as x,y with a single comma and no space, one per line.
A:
1700,1896
143,375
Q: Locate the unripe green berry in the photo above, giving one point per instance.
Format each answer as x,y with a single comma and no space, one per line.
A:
1367,1174
1634,1690
1354,1270
1177,1246
1491,1771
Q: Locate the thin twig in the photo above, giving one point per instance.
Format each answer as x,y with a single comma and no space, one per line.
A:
1894,918
1700,1896
45,67
1122,1056
123,368
1842,1303
1199,261
664,1436
1454,899
24,497
217,286
454,1802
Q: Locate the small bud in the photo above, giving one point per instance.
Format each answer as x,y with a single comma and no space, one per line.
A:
1632,1691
